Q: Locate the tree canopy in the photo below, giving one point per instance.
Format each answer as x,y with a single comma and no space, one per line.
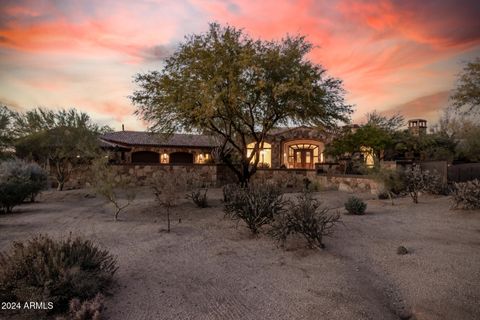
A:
61,139
225,83
6,129
370,139
466,96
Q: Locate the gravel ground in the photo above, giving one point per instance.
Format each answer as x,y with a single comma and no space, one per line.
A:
209,267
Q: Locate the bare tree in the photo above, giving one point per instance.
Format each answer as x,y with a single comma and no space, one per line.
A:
168,189
109,184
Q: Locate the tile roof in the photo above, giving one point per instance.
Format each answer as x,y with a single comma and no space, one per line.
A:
131,138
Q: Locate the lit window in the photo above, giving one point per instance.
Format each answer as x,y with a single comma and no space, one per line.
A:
264,155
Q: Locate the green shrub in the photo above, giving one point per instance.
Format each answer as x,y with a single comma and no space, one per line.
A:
199,197
19,180
355,206
256,205
44,269
466,195
305,217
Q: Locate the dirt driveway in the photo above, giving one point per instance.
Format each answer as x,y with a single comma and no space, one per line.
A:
210,268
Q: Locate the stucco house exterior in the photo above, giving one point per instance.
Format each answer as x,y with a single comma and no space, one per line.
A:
290,148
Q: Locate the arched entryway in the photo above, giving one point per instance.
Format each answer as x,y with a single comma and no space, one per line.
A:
303,154
181,157
145,157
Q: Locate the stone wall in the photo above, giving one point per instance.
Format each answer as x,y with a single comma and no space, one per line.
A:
295,179
141,173
212,175
219,175
349,183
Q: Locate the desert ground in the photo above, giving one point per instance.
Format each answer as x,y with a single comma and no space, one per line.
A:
209,267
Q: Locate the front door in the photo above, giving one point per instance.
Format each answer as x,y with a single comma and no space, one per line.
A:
303,158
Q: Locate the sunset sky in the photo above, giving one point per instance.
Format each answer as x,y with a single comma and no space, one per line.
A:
392,55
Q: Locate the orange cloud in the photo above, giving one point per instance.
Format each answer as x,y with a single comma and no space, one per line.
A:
85,52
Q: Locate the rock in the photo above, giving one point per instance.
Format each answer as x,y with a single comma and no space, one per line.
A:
402,250
344,187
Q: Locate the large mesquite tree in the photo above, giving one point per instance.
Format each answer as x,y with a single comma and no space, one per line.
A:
227,84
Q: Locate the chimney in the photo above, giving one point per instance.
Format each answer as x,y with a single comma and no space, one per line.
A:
123,127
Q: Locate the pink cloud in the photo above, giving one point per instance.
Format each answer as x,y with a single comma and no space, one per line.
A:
385,51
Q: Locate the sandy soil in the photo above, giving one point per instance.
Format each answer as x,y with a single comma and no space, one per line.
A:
210,268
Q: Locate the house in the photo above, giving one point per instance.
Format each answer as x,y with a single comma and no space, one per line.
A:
295,148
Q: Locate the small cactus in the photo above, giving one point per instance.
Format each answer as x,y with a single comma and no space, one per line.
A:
355,206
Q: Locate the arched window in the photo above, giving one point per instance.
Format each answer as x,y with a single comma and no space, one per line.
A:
145,157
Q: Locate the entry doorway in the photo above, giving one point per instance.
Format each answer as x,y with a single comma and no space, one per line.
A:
303,159
302,156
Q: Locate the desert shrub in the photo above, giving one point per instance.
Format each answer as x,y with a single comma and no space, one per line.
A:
198,189
466,195
199,197
228,190
306,217
86,310
418,180
256,205
384,195
37,179
110,185
393,182
19,180
44,269
435,184
355,206
167,189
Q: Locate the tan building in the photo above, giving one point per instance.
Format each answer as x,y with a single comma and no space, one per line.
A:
299,147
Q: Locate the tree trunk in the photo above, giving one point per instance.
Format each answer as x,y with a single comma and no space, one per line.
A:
116,215
60,185
415,197
390,196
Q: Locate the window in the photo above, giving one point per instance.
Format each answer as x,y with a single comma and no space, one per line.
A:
265,154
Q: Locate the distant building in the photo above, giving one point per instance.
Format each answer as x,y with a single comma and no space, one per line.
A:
417,126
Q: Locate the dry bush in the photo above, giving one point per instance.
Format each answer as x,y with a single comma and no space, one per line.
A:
198,190
199,197
256,205
109,184
466,195
57,271
86,310
393,181
355,206
168,189
228,190
418,180
305,217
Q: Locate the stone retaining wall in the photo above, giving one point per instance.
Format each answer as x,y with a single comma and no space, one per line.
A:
295,179
219,175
